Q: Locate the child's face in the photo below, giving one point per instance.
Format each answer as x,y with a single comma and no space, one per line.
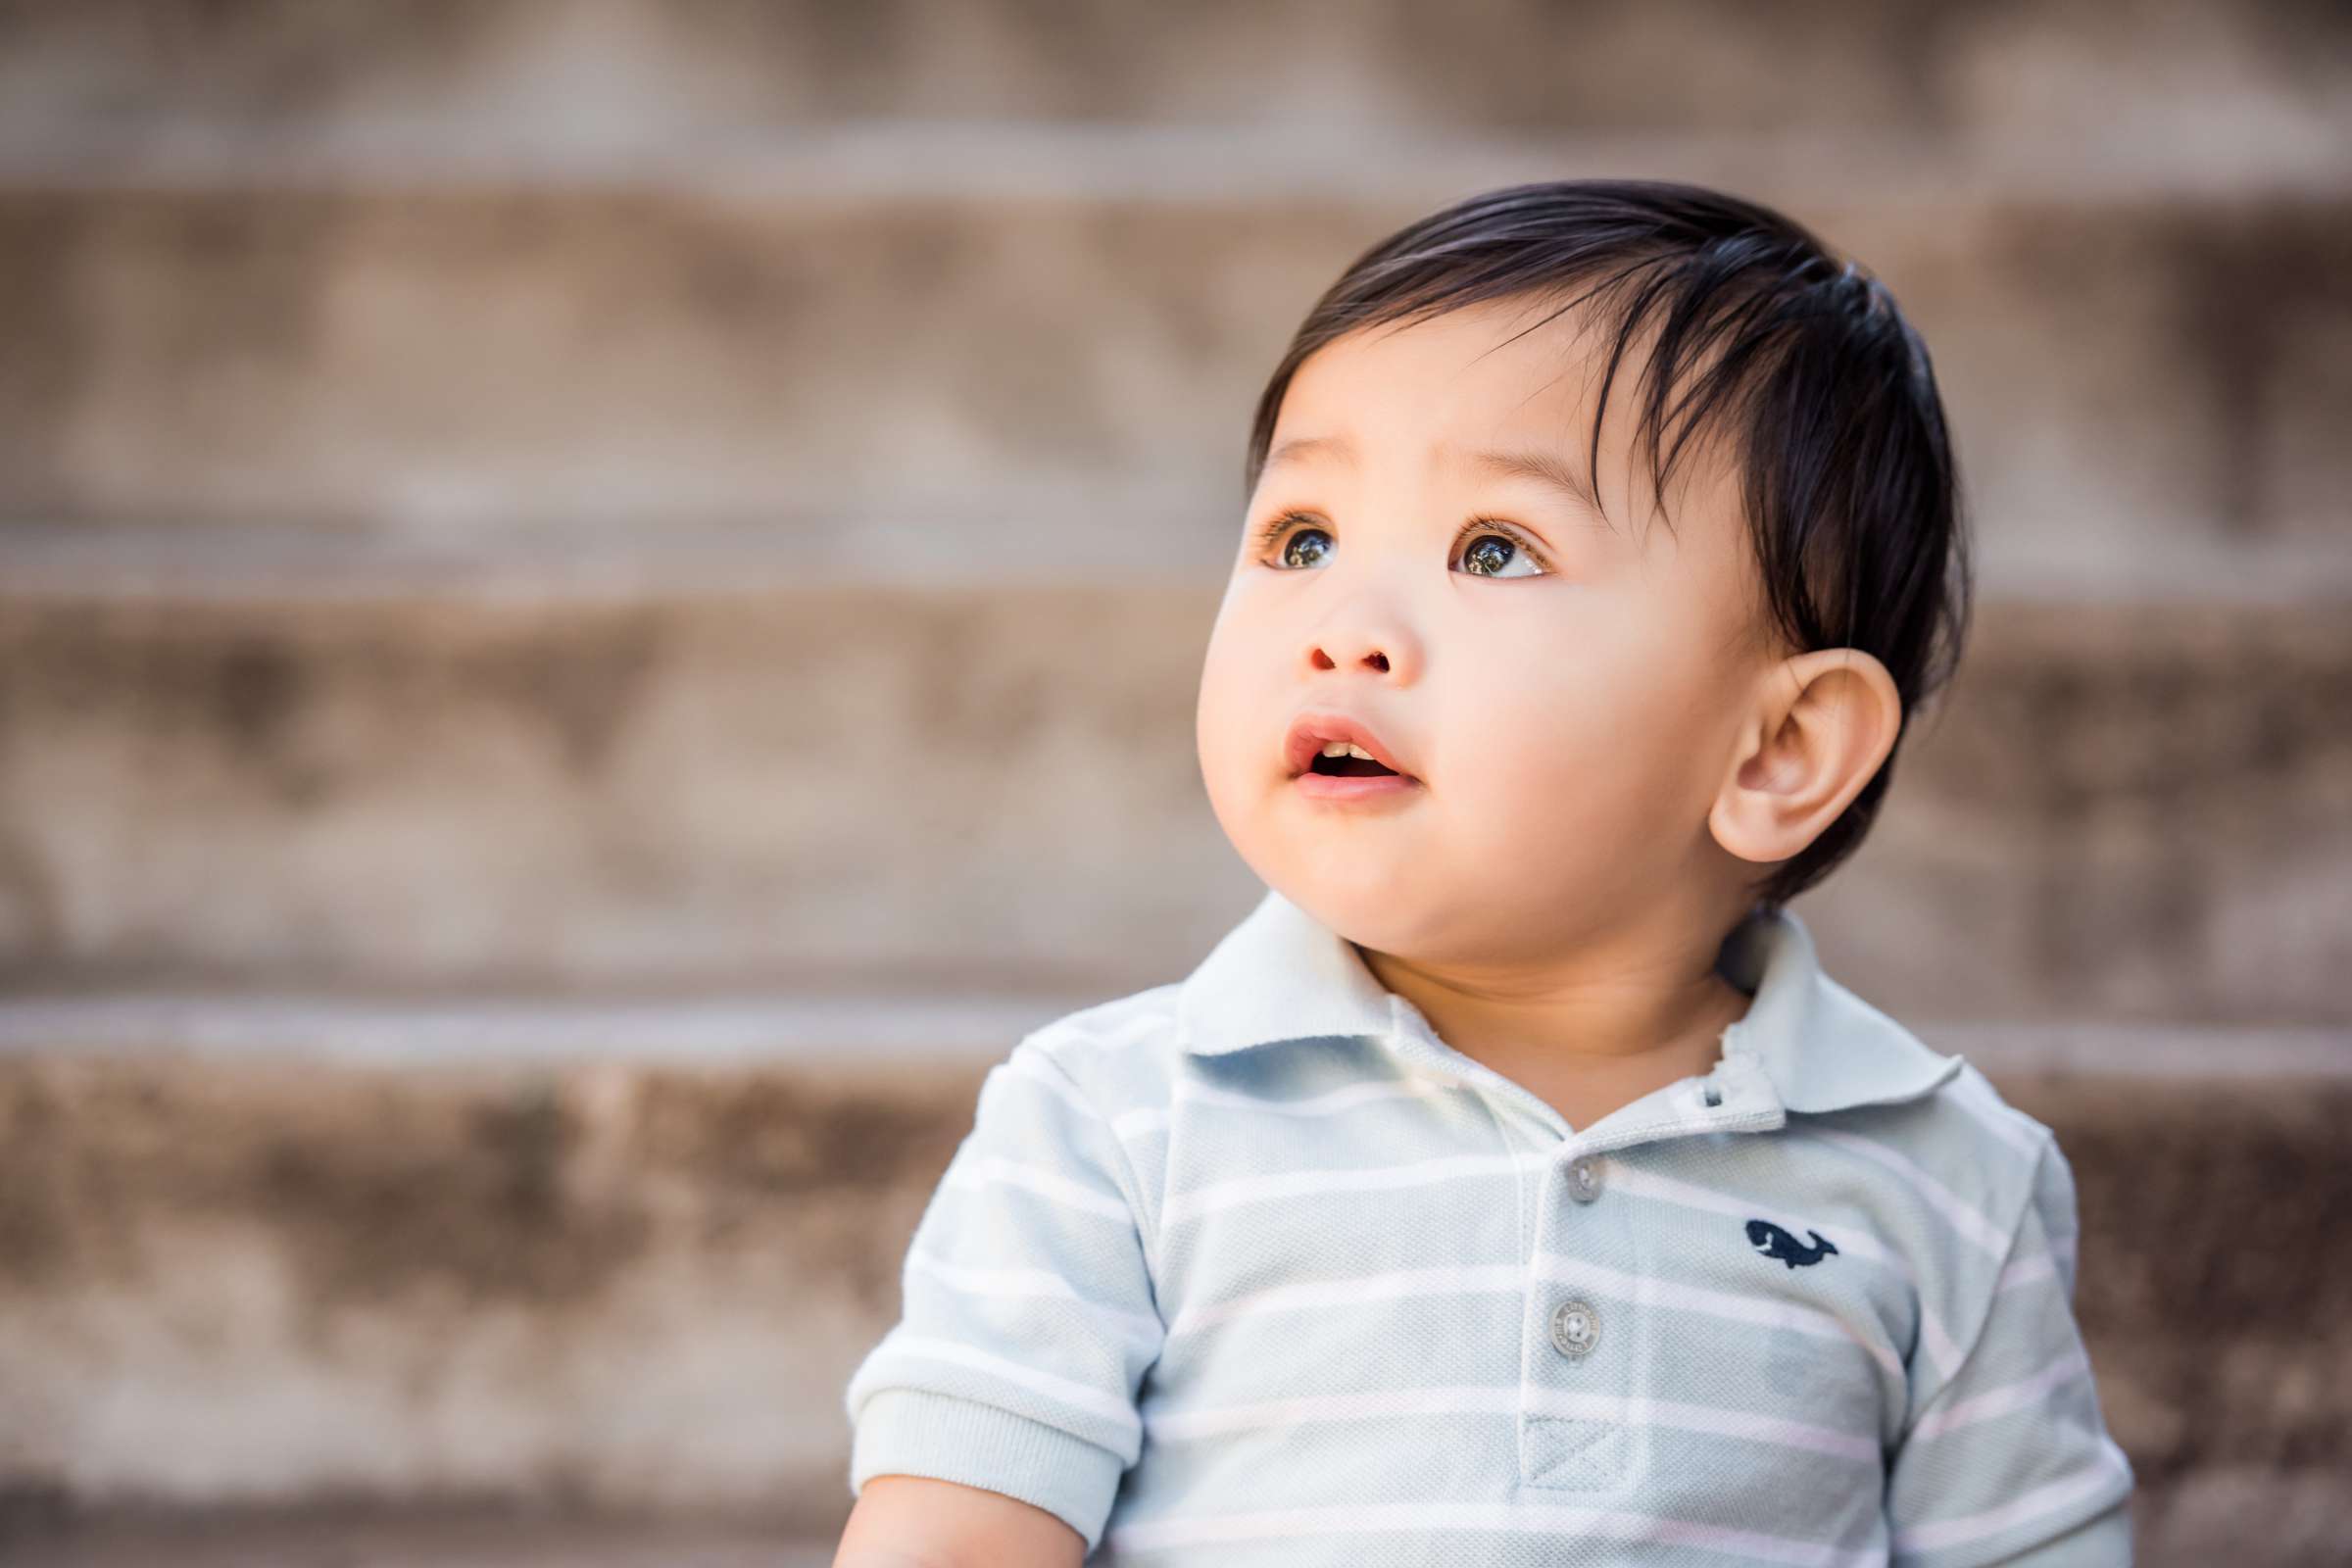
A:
1569,730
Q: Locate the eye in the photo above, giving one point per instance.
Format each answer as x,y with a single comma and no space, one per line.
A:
1299,552
1497,549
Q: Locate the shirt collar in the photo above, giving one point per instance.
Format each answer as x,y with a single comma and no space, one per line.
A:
1281,974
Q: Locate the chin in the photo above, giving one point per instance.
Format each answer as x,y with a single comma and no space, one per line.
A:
1364,902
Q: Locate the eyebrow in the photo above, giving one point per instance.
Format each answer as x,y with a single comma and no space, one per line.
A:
1545,468
1300,447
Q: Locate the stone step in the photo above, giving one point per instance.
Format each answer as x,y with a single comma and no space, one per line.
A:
377,1538
237,1281
2122,811
602,82
2146,390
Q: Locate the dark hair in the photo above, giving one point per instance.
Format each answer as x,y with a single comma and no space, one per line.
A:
1823,388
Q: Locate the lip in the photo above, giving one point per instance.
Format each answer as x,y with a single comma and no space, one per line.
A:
1334,787
1312,731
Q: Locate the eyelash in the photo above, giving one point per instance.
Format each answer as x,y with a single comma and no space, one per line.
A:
1274,530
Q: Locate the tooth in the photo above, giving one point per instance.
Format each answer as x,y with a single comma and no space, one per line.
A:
1347,749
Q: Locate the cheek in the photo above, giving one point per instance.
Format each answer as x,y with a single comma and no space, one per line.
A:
1590,735
1226,722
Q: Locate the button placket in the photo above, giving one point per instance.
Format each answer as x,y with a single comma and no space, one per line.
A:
1583,1351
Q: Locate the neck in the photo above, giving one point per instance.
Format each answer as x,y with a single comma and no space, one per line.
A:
1597,1029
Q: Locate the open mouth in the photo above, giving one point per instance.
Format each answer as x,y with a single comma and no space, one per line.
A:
1350,767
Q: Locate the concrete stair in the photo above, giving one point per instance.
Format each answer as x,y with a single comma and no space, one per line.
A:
969,383
600,602
2180,88
2132,812
360,1537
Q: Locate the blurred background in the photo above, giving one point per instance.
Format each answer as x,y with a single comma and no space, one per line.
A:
600,602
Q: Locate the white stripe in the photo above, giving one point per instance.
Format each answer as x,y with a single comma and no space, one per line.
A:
2000,1119
1974,1227
2026,1270
1329,1103
1306,1410
1324,1104
1148,1120
1709,1418
2034,1505
2001,1401
1511,1278
1622,1177
1068,1390
991,1169
1017,1283
1467,1279
1418,1521
2061,1247
1216,1196
1044,1077
1057,1036
1507,1402
1644,1291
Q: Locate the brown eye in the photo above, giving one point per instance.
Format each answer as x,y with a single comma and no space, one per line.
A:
1305,547
1498,551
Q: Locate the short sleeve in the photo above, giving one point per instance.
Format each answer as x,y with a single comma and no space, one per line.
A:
2009,1461
1028,1319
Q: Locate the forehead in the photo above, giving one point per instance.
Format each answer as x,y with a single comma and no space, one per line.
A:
1497,367
1518,376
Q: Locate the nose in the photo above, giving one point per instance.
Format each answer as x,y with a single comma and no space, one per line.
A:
1383,647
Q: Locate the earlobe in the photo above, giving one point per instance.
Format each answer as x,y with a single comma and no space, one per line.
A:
1815,743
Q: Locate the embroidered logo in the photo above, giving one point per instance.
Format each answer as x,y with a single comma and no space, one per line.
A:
1772,1241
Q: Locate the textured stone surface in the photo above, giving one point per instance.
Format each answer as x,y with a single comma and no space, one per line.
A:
616,78
2144,392
326,1537
2122,813
634,1287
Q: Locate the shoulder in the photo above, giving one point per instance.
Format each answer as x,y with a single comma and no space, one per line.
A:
1970,1115
1967,1171
1119,1052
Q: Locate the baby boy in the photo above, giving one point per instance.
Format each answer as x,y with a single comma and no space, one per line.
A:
1512,1186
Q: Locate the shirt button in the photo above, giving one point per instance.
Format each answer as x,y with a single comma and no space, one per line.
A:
1584,1179
1574,1328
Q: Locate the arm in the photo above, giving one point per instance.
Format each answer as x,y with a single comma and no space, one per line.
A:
1003,1403
2009,1461
916,1522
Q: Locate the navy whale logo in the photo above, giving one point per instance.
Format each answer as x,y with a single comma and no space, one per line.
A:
1772,1241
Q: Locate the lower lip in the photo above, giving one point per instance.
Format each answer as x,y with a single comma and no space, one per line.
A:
1345,787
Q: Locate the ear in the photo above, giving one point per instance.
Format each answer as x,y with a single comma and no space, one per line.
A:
1823,723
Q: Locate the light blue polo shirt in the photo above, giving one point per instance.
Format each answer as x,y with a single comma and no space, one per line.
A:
1255,1269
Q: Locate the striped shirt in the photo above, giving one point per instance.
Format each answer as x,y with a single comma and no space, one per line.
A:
1255,1269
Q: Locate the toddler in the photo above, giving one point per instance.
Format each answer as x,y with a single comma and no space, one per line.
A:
1512,1186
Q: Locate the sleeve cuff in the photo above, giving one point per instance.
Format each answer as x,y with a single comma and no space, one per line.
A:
915,1432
